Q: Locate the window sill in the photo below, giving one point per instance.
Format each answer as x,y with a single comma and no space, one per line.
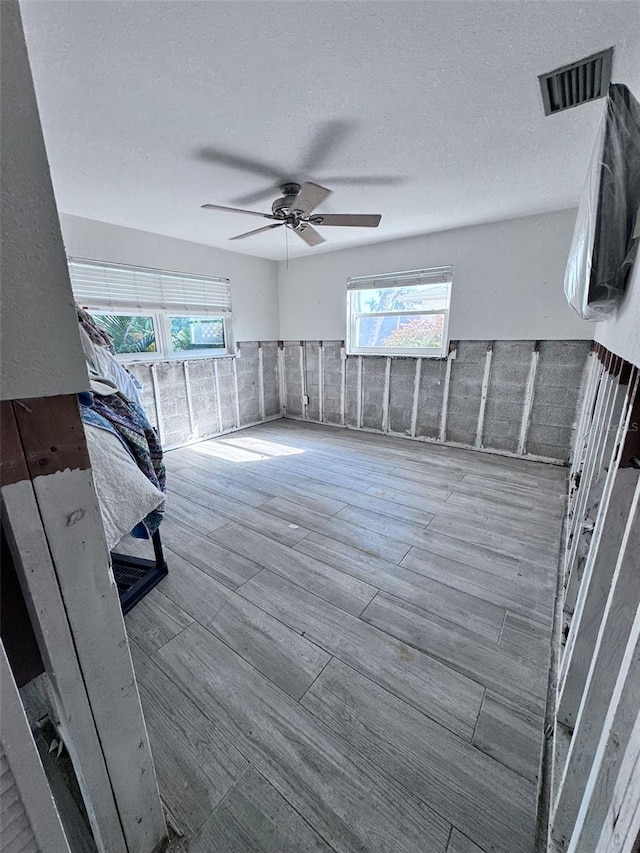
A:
440,355
152,358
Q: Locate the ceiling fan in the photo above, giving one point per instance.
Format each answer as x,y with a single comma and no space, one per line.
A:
323,147
295,210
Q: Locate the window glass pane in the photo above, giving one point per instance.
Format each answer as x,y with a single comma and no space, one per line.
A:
196,333
416,297
401,331
130,333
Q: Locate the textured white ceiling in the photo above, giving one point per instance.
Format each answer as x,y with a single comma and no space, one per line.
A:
440,96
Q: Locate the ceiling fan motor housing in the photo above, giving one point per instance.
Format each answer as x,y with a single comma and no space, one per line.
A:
285,208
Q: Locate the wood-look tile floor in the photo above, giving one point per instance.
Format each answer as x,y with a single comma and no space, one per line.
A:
351,650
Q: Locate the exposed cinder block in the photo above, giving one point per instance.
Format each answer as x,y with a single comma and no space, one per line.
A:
501,434
172,388
248,379
402,384
312,373
332,366
142,372
561,365
292,378
465,391
202,383
510,365
351,397
432,373
227,393
373,378
553,396
560,369
173,402
271,382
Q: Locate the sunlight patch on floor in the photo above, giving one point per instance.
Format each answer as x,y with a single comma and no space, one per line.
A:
261,445
244,450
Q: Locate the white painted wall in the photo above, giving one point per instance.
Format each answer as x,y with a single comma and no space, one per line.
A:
621,333
254,281
40,353
507,281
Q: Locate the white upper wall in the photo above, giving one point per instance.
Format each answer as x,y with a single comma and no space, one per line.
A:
41,354
254,281
507,281
621,333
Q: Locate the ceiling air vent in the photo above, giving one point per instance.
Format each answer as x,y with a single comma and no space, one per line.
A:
577,83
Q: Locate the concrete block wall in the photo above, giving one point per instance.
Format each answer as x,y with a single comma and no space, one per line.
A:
401,387
430,396
270,379
373,380
199,398
465,391
510,366
311,357
205,410
351,393
550,413
400,396
332,381
558,378
292,378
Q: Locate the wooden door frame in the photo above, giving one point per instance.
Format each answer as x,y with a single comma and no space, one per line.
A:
53,524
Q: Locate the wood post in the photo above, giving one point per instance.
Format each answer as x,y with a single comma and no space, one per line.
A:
55,533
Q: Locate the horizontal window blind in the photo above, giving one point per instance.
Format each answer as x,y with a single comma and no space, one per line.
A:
111,286
436,275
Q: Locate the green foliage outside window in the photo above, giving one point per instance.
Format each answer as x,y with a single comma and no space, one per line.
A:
129,333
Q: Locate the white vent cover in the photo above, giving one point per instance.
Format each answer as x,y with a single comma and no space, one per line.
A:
578,83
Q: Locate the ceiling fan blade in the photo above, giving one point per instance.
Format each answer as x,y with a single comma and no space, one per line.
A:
327,139
257,231
259,195
309,235
358,220
366,180
236,210
225,158
310,197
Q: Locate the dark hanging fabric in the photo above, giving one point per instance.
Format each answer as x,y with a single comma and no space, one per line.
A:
96,334
131,424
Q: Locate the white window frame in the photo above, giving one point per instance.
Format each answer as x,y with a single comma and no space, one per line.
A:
436,275
162,327
160,313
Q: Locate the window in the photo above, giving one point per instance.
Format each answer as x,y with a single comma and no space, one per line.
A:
131,333
404,313
196,333
153,314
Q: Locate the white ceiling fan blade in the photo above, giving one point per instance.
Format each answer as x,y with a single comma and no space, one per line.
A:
309,235
259,195
359,220
237,210
257,231
311,195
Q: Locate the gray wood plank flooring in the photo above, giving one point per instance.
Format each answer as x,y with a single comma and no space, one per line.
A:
498,809
345,797
441,692
459,843
254,816
196,762
350,652
483,617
